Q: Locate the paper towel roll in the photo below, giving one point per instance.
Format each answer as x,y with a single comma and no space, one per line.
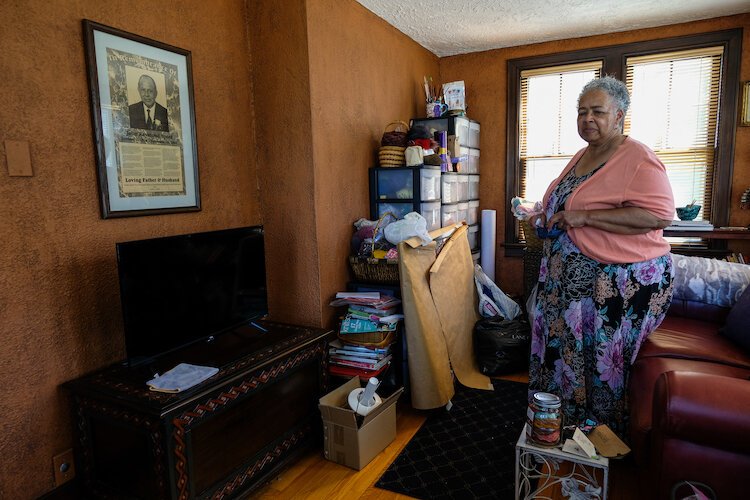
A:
487,259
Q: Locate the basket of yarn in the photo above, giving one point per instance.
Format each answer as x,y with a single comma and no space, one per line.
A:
393,145
376,266
396,136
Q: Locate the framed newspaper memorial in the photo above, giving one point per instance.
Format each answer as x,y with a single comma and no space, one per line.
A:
144,123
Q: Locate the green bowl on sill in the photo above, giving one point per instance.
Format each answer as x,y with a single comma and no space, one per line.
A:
688,212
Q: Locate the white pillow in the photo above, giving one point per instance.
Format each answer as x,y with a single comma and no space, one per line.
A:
710,281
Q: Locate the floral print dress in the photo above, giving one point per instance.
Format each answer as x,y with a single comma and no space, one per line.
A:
589,321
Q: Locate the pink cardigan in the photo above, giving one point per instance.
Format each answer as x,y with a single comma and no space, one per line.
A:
633,177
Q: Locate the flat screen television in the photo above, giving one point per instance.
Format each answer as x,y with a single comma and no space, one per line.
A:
181,290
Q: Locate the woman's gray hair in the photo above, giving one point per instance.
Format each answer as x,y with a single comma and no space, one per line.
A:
611,86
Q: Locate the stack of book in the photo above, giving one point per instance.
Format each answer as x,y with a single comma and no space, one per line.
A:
368,312
367,331
349,360
690,225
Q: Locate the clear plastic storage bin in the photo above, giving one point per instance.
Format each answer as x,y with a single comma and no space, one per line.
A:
395,184
473,161
464,151
473,187
462,130
397,209
462,211
430,183
463,187
473,135
473,236
472,214
449,213
431,212
450,187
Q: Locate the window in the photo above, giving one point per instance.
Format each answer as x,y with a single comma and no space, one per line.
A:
675,109
684,94
546,140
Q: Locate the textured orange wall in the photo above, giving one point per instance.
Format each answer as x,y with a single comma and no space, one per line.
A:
364,74
286,172
59,300
485,75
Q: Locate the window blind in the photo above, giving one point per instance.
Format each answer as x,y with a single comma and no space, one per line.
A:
548,136
674,111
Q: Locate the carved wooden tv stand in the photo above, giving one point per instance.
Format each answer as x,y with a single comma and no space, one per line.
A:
220,439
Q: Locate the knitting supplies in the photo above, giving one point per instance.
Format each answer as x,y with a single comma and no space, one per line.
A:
396,136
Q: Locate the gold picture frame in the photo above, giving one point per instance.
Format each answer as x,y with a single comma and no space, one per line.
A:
745,108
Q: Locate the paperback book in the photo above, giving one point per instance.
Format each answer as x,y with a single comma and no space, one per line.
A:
352,348
359,362
360,325
348,371
690,225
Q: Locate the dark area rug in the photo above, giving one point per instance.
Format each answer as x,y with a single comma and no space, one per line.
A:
467,452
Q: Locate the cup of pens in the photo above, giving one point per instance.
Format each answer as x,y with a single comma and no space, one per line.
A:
435,109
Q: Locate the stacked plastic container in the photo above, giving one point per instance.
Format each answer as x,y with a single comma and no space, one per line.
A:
460,190
401,190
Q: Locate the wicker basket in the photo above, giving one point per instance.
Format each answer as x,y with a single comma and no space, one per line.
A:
533,242
397,136
372,339
370,269
374,270
392,156
532,258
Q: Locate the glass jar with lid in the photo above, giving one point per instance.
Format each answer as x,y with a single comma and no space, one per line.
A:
544,419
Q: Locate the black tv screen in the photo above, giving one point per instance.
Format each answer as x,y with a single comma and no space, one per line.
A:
179,290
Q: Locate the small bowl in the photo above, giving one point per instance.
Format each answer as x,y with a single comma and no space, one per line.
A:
688,212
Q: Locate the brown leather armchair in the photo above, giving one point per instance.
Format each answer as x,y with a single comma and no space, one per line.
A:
690,405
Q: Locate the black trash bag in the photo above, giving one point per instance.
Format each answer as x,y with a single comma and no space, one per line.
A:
502,346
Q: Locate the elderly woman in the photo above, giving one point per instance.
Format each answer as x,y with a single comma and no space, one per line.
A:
606,282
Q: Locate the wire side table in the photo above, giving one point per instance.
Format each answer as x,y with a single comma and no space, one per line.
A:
539,468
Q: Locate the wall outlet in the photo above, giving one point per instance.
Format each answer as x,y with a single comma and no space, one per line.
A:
64,467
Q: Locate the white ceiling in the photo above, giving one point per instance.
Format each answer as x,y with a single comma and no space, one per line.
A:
450,27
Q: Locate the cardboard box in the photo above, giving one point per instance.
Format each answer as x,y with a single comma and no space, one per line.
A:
350,439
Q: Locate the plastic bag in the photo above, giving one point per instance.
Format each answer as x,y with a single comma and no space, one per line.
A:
524,209
502,346
531,304
695,491
369,238
455,95
492,300
413,224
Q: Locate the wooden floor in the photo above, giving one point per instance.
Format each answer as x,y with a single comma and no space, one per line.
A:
315,477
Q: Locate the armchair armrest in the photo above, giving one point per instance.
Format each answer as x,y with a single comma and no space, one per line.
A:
710,410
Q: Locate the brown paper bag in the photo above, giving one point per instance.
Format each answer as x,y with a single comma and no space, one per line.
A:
440,307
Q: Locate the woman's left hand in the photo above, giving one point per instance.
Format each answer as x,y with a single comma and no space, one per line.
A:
566,219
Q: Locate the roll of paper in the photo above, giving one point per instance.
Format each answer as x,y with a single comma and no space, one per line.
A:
487,258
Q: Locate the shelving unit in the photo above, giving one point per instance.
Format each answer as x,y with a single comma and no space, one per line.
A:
460,190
